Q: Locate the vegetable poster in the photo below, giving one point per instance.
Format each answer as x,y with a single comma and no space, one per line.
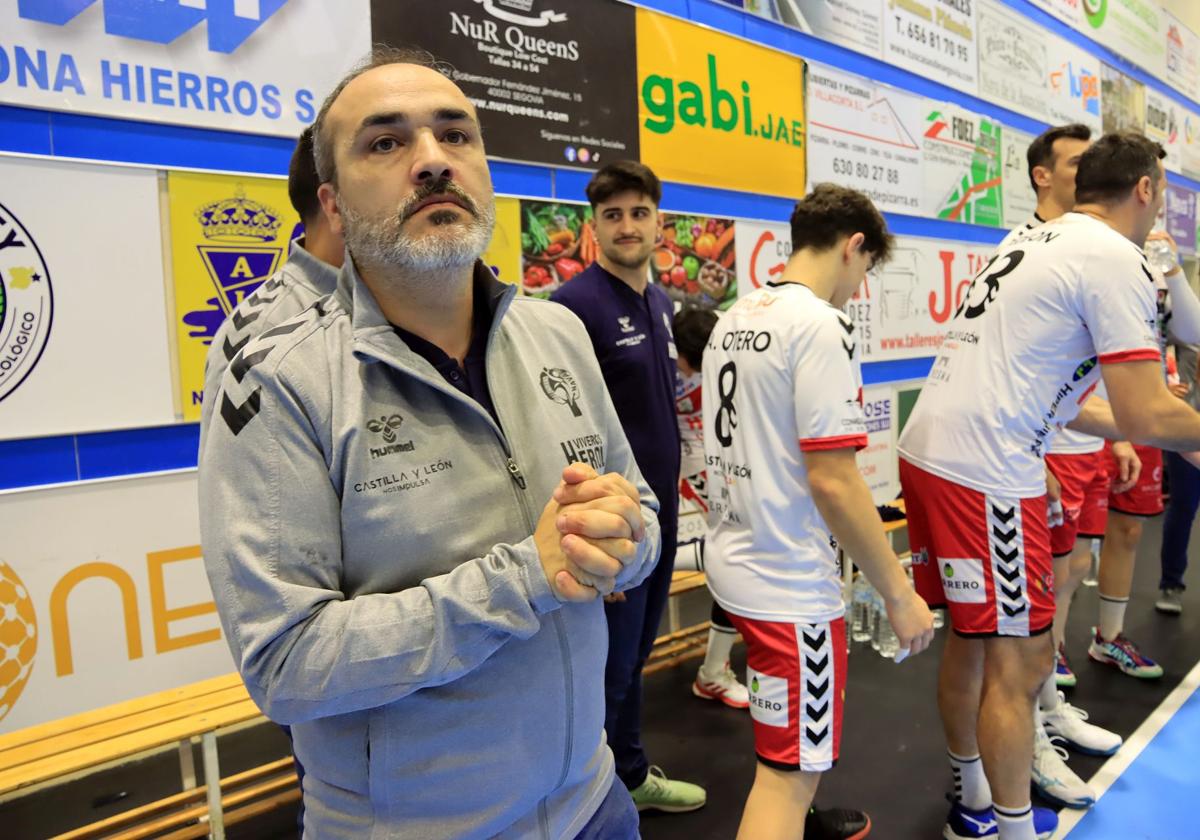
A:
539,72
694,261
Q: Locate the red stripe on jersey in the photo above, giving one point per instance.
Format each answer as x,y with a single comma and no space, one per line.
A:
1143,355
838,442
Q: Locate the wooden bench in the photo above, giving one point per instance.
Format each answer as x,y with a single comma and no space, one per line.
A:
39,756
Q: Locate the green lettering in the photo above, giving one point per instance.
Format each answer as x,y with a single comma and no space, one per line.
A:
781,132
691,104
722,100
797,133
662,106
748,125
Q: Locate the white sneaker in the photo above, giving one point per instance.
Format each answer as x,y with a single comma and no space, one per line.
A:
1053,778
722,685
1069,723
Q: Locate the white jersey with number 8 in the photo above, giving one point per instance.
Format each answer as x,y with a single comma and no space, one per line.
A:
781,377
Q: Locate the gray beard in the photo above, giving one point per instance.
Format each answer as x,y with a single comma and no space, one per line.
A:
383,243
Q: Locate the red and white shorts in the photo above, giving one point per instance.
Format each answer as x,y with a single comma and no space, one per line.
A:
796,674
1085,481
1145,497
984,557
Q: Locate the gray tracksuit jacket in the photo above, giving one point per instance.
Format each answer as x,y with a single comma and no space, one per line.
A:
367,533
301,281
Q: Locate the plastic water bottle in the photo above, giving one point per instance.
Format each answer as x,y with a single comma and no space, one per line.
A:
860,608
1159,253
1093,575
889,642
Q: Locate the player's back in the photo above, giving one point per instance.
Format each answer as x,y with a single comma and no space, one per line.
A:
1021,353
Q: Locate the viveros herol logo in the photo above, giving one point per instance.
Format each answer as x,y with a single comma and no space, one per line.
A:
229,22
26,303
1095,11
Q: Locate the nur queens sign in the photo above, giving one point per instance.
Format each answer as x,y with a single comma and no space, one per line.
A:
259,66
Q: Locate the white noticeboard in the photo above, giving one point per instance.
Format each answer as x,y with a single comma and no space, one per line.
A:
936,40
1164,124
903,309
865,136
1020,199
116,606
260,67
762,251
83,328
1014,60
877,463
1073,86
856,24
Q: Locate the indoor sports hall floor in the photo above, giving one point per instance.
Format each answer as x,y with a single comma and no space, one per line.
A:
892,754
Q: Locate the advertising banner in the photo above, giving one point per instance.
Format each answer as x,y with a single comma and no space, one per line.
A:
1190,153
1014,60
903,309
261,67
504,251
1164,124
1065,10
695,261
962,166
855,24
1124,101
228,235
763,249
865,136
936,39
111,608
877,463
1073,86
541,73
1020,199
83,342
1132,29
1183,57
736,101
1181,217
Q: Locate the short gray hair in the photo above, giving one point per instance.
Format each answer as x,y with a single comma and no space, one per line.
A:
381,55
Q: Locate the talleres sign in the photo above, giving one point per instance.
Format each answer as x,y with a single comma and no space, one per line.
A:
248,65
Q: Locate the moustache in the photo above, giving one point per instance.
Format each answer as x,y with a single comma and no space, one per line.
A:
443,186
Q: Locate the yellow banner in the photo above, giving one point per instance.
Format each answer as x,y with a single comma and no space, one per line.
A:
228,235
719,111
504,252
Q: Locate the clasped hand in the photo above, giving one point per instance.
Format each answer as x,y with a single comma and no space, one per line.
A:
588,531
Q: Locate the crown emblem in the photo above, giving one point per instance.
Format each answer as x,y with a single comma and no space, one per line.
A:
238,219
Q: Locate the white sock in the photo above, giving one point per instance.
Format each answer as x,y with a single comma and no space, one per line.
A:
1112,616
1048,694
720,643
971,787
1015,823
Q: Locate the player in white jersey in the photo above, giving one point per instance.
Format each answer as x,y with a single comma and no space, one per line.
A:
1077,465
782,422
1060,306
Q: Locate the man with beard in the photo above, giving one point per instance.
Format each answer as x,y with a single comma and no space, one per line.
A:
629,322
406,565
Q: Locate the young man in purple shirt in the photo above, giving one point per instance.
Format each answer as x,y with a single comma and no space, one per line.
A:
629,321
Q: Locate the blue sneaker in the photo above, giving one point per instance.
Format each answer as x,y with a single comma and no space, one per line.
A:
964,824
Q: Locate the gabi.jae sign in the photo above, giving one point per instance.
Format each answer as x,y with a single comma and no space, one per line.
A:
243,65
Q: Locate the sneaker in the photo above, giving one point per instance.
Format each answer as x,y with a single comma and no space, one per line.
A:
836,824
1069,723
964,824
662,794
1124,654
1053,779
723,686
1064,677
1170,601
